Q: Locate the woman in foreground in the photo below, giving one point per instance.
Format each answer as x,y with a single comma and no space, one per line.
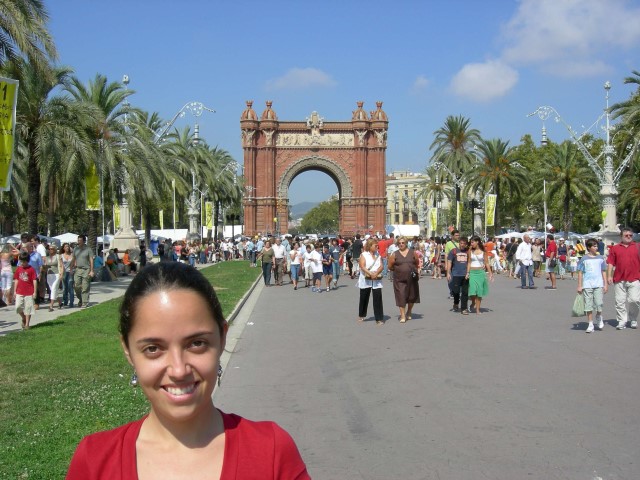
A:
406,289
173,333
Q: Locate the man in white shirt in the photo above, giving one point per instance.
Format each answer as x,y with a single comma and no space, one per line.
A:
279,252
525,260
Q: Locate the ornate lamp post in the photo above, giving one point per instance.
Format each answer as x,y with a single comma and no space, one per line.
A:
607,177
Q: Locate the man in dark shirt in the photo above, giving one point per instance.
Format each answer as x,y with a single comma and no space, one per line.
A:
356,250
456,275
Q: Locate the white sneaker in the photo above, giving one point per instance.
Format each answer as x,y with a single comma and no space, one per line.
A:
590,328
634,324
600,321
621,326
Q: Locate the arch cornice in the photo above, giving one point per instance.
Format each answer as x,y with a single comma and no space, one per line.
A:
316,162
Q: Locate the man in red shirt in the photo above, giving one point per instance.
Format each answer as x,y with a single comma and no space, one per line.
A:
625,258
551,252
25,282
383,245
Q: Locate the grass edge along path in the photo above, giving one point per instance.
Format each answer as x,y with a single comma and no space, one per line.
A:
67,378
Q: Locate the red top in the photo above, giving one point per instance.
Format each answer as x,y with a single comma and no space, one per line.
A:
551,248
627,262
253,450
25,277
383,245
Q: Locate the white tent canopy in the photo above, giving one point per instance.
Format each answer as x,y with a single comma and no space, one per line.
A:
67,237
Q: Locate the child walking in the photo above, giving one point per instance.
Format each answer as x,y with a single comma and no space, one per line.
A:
25,281
592,283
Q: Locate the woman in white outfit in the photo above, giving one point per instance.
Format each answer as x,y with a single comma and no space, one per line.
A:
370,280
54,268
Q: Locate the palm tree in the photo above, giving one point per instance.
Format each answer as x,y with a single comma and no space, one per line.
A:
629,110
453,146
23,33
570,179
106,132
434,189
497,169
47,127
209,168
630,190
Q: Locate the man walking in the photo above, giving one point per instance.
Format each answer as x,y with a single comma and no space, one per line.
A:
356,250
279,260
524,258
623,271
457,275
83,264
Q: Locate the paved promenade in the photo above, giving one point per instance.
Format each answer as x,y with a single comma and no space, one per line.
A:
518,392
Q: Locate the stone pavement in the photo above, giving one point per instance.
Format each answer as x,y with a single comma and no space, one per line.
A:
518,392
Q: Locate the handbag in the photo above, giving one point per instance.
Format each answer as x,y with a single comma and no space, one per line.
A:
369,277
553,263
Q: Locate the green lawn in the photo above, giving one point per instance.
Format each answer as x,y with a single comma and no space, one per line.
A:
67,378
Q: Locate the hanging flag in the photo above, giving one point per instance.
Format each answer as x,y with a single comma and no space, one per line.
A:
161,212
458,213
92,188
208,207
490,210
433,218
8,101
116,216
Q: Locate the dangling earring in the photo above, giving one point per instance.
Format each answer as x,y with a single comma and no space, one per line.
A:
134,380
219,374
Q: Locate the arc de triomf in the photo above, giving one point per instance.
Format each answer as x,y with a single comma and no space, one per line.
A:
352,153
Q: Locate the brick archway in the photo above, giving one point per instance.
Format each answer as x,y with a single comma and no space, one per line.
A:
352,153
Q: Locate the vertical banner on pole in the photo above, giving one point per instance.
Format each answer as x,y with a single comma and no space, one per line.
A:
208,208
8,101
161,213
92,188
458,213
116,216
490,210
433,218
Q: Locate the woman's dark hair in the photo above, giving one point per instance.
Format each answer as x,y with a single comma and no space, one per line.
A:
476,238
166,276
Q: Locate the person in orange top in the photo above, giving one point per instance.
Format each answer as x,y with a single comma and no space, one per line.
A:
126,260
489,247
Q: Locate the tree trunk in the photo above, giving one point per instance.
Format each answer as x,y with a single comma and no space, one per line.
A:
496,221
33,195
51,214
92,234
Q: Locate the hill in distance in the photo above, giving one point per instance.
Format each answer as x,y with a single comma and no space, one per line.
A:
300,209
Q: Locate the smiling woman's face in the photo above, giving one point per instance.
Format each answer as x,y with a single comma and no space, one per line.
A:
175,347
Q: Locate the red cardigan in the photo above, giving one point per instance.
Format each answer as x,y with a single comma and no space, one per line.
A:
253,450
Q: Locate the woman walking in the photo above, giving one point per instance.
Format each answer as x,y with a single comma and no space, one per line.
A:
477,269
6,273
370,280
296,260
405,265
53,268
437,253
67,276
266,255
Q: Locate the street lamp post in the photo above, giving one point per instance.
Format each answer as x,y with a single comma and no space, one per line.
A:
607,177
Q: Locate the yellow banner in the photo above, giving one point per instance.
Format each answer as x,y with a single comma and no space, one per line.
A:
458,214
490,210
92,188
208,208
433,218
161,212
8,101
116,216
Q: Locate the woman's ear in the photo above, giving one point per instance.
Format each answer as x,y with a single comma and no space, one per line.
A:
127,354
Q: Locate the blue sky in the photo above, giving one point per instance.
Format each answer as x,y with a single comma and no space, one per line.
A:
493,61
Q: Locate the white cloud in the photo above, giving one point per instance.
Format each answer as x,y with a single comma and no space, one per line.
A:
301,78
482,82
420,84
570,37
